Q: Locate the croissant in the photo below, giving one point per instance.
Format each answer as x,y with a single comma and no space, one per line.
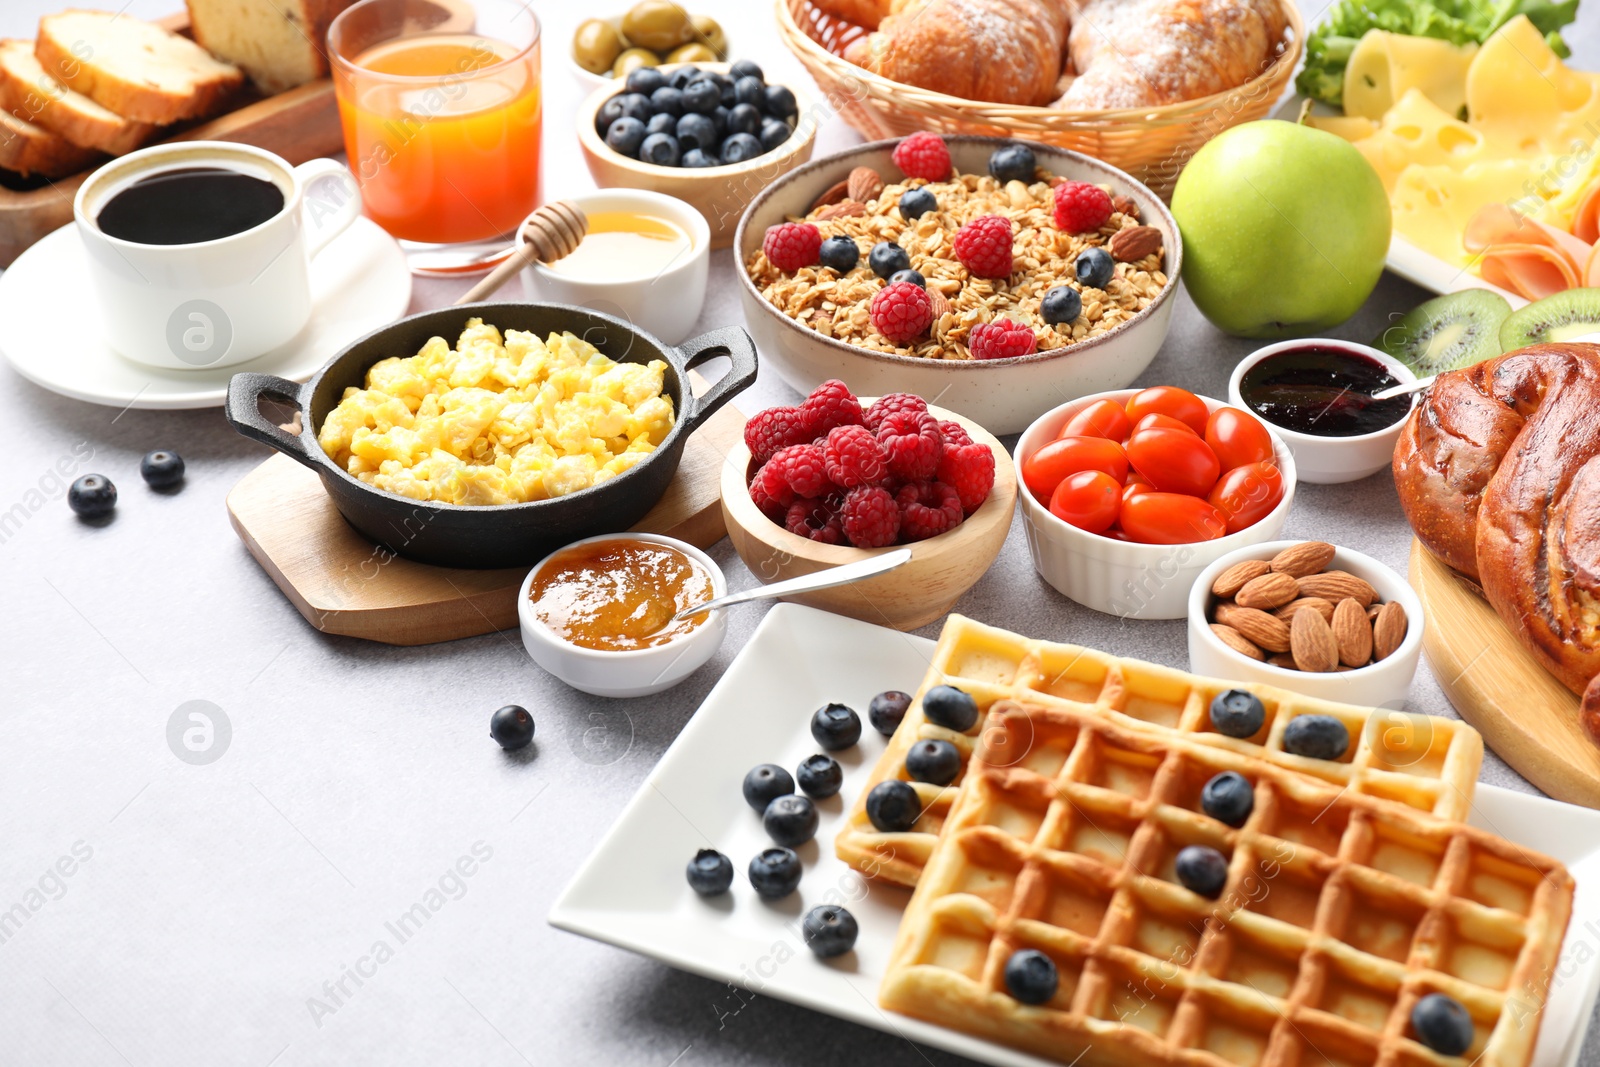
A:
1499,474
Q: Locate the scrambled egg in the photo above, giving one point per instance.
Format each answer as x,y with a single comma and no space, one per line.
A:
498,422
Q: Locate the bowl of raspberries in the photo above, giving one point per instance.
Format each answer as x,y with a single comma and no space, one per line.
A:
837,477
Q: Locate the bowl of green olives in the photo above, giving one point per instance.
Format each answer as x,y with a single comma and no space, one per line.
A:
651,33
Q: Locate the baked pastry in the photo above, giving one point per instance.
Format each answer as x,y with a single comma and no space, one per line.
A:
278,43
29,93
29,149
866,13
1498,470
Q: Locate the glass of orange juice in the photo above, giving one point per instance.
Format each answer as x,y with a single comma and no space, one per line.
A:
440,105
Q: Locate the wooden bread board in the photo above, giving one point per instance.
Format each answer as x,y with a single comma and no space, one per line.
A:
1527,716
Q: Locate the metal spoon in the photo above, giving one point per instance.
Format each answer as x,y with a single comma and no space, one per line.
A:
1404,388
823,579
456,263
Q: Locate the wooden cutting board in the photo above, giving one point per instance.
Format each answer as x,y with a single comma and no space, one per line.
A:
1524,714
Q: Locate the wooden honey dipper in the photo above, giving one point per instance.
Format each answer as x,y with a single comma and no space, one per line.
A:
551,232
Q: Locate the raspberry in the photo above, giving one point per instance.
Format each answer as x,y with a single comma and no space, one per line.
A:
774,429
830,404
912,444
890,403
771,493
1081,207
927,509
969,469
923,155
1001,339
792,245
902,312
954,434
984,246
870,517
800,468
815,519
852,456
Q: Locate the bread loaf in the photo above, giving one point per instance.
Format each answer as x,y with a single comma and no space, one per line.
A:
32,95
279,43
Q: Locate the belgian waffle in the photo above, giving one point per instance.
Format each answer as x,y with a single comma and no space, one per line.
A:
1423,762
1340,911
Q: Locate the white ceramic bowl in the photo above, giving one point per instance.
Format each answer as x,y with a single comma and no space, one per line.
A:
1382,684
637,672
1002,395
1122,578
666,303
1325,460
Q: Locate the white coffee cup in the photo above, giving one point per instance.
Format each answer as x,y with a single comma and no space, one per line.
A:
212,303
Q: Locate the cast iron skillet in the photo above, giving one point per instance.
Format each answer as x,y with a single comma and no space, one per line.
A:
504,535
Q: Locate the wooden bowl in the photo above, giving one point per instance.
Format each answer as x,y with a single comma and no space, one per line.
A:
908,597
719,193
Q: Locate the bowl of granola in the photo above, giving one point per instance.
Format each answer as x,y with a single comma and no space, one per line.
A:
1040,275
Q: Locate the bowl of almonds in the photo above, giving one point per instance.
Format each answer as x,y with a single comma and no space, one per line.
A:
1321,620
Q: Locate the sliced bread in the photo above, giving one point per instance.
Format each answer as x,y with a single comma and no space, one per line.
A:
30,94
29,149
136,69
278,43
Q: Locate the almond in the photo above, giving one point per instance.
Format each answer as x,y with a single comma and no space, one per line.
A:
1336,585
938,305
1269,591
1372,611
1316,603
1388,630
1257,626
1284,660
1308,557
1234,578
1125,205
844,209
1236,641
1312,644
1132,243
1352,633
832,194
863,184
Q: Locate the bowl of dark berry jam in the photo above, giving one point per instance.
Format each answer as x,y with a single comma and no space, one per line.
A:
1317,393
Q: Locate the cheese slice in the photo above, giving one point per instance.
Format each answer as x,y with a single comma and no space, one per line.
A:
1350,127
1432,205
1417,131
1524,99
1384,66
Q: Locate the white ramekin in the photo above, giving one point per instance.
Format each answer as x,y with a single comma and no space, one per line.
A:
1382,684
635,672
1326,460
1122,578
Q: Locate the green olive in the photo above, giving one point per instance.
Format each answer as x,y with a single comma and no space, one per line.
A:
632,59
596,45
657,24
708,31
693,52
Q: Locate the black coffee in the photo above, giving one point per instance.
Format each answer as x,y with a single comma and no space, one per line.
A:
187,206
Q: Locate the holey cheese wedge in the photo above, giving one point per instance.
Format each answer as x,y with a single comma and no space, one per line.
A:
1385,66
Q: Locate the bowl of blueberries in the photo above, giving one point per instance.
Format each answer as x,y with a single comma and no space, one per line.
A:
711,134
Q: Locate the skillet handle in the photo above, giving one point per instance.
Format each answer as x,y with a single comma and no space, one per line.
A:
730,341
243,412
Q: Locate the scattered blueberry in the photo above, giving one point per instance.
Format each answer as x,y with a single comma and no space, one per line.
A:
740,147
775,872
893,806
1442,1023
1031,976
908,275
773,133
511,727
1061,304
682,76
887,257
1316,737
1014,162
644,80
92,496
915,203
744,68
660,149
781,102
667,101
710,873
719,120
161,469
625,136
749,90
1228,798
1238,713
695,159
1095,268
766,783
790,820
936,762
636,106
701,97
829,930
698,131
840,253
819,776
1202,869
835,726
744,118
952,708
609,112
661,122
888,708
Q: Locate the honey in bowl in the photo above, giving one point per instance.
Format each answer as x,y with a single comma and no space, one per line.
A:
619,595
624,243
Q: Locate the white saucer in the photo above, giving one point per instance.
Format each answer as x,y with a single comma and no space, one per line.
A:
50,328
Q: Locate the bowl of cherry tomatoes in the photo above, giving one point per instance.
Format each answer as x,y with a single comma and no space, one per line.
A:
1128,495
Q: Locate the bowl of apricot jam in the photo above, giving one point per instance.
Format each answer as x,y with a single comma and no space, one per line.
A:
600,614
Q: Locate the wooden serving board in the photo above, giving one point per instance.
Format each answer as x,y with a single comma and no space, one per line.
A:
1527,716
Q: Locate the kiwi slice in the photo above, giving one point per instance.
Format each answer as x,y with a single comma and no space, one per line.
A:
1448,332
1563,316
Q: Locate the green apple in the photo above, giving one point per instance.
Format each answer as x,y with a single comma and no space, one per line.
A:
1285,229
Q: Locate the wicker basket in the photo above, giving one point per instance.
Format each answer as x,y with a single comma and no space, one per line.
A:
1151,144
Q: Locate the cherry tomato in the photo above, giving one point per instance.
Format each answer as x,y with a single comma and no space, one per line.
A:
1088,500
1166,422
1237,438
1171,519
1175,461
1134,485
1103,418
1246,494
1170,400
1044,470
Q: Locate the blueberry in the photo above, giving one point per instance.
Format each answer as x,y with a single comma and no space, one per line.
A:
697,131
666,100
1061,305
644,80
893,806
695,158
744,118
1013,163
915,203
609,112
511,727
661,122
1237,713
1316,737
1202,870
773,133
952,708
775,872
92,496
682,76
701,97
889,707
719,119
726,95
766,783
710,873
936,762
625,136
790,821
908,275
829,930
1094,268
840,253
161,469
1442,1023
740,147
887,257
749,91
819,776
1228,798
781,102
743,68
1031,976
660,149
636,106
835,726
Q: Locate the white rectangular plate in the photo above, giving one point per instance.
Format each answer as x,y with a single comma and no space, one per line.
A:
631,892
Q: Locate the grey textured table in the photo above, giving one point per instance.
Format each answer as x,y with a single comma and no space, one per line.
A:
208,907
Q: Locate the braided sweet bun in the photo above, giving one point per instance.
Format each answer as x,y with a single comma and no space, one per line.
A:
1499,474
